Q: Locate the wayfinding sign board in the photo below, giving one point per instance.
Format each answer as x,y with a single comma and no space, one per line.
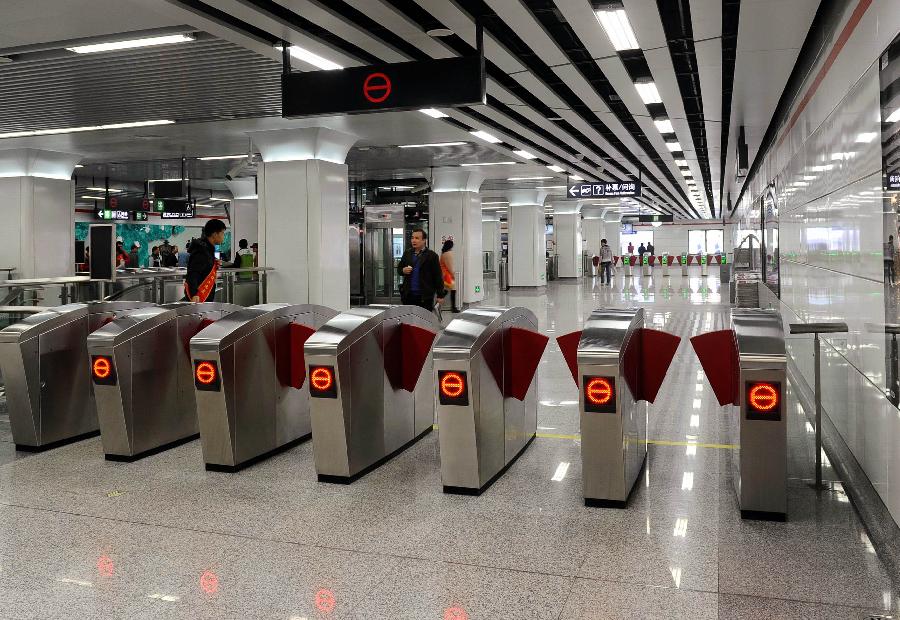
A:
651,218
438,83
613,189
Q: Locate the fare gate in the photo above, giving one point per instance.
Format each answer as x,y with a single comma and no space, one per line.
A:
747,369
619,366
141,368
368,400
486,393
251,384
44,363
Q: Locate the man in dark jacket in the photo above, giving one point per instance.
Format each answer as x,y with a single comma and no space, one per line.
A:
421,271
200,281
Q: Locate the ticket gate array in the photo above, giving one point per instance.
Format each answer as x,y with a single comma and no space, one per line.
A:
251,385
368,399
619,366
44,363
486,393
141,368
747,369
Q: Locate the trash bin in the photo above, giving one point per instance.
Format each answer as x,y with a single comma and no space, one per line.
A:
503,274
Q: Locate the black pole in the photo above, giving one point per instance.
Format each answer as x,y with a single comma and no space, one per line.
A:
479,37
285,58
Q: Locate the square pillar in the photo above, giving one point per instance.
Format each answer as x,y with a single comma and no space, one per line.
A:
526,238
567,226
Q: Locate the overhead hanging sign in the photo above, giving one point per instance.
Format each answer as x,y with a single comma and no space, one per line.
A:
651,218
438,83
128,203
598,190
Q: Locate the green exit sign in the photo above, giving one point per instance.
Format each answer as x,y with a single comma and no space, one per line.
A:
703,259
159,206
646,259
684,259
477,289
723,259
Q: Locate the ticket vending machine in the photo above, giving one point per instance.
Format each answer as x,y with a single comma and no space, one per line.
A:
141,368
251,385
747,369
486,393
619,366
44,363
370,388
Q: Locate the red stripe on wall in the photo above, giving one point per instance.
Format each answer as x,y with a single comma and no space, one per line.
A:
849,27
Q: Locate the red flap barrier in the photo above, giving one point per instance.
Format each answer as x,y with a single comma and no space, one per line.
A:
651,260
718,356
615,260
186,339
405,354
299,335
568,345
522,353
646,360
671,260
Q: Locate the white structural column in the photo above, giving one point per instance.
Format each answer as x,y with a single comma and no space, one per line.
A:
37,208
612,231
526,238
567,227
244,211
592,232
455,213
490,237
304,214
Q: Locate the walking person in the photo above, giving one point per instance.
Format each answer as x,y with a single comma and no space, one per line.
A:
605,262
122,257
641,251
421,271
244,259
134,257
203,266
889,254
448,273
155,258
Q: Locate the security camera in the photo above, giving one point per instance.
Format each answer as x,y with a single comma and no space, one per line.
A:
236,170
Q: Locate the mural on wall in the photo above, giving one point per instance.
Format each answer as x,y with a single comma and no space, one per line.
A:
149,235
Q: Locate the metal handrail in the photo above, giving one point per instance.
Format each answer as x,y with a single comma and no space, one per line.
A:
126,274
21,309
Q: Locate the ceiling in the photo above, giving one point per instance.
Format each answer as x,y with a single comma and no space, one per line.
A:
556,86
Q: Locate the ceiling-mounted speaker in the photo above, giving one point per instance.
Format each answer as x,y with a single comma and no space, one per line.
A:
742,157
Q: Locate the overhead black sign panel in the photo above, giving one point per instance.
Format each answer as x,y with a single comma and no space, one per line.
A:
598,190
128,203
440,83
649,219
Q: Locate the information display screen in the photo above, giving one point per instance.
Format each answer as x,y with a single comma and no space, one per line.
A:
102,238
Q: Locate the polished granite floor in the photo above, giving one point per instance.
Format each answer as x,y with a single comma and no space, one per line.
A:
161,538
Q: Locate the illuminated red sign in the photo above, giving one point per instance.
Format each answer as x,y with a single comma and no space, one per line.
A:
206,376
102,370
763,400
206,373
377,87
325,600
321,382
599,394
452,388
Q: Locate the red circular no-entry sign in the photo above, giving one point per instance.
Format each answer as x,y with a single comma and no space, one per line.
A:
377,87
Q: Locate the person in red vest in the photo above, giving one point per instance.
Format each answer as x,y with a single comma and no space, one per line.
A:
203,266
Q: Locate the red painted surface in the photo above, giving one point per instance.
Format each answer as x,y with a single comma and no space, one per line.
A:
718,355
568,345
646,360
522,353
405,353
299,335
842,39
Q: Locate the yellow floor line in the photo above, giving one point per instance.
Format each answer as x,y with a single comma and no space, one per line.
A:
655,442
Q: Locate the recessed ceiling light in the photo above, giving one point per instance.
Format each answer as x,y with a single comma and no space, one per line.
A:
555,118
893,117
687,173
217,157
93,197
417,146
664,126
681,162
823,168
575,177
673,146
79,165
433,113
496,202
492,163
528,178
50,132
439,32
130,44
555,168
551,187
396,187
618,28
486,136
647,91
310,58
525,154
103,189
866,136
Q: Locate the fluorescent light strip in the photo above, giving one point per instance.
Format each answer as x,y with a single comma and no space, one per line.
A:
401,187
673,146
433,113
483,135
681,162
555,168
664,126
493,163
866,136
130,44
51,132
618,29
648,92
313,59
426,145
525,154
893,117
103,189
498,202
575,177
528,178
217,157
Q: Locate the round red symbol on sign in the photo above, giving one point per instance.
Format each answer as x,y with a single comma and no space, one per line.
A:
598,391
377,87
325,601
763,397
209,582
452,384
206,373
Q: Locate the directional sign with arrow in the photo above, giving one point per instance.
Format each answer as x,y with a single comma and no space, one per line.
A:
596,190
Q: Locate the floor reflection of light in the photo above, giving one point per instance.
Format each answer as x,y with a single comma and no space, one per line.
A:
690,450
687,481
697,403
676,575
325,601
105,566
169,598
209,582
560,473
455,613
680,527
695,421
77,582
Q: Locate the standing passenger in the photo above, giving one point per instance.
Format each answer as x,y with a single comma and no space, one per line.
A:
889,252
605,262
448,273
202,267
421,271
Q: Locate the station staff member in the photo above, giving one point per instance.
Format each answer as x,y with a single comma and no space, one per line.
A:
203,266
422,276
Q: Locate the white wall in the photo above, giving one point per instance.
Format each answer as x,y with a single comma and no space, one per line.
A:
457,214
831,233
490,239
673,238
245,220
592,232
